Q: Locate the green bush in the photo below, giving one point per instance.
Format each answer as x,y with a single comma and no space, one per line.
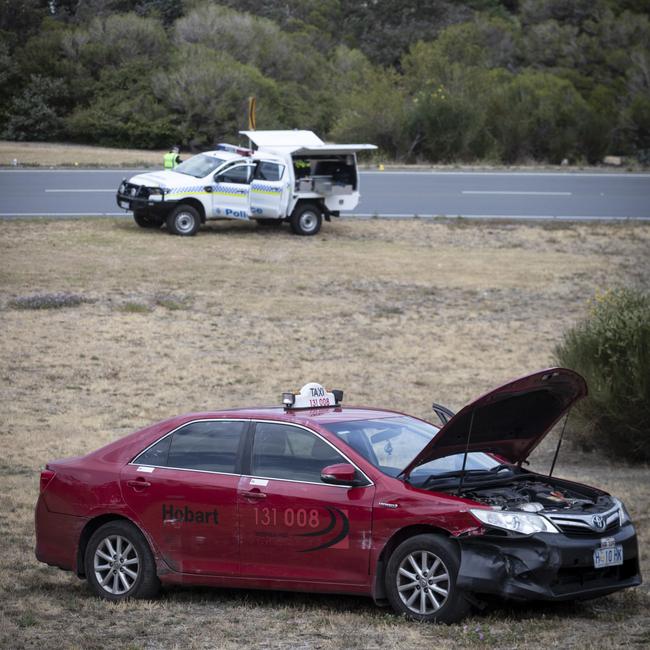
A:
611,349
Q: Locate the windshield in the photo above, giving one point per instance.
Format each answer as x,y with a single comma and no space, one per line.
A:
199,166
390,444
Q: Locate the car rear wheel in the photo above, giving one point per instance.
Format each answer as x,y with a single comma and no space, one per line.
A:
306,219
145,221
421,580
183,220
119,563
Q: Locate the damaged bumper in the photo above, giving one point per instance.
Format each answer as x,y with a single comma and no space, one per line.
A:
546,566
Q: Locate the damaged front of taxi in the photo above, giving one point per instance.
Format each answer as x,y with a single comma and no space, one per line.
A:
536,536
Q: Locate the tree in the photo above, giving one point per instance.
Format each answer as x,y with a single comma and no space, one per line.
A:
207,91
33,114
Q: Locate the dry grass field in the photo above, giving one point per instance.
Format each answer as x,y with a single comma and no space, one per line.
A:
46,154
395,313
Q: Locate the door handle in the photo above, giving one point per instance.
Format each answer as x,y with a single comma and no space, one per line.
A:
255,494
207,188
138,484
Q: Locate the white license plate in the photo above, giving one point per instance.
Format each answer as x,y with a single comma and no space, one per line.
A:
610,556
124,204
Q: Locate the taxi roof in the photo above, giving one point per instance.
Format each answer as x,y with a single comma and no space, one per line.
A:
324,415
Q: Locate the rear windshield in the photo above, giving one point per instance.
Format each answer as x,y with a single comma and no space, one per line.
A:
199,166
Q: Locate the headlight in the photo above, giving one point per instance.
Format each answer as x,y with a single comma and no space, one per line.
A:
518,522
623,514
122,187
155,190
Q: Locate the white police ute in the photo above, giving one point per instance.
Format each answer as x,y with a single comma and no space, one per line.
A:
290,176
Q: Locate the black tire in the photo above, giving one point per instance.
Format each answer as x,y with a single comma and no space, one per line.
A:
442,601
269,223
135,557
306,219
145,221
183,220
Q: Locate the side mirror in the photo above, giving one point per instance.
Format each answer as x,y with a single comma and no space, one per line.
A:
339,474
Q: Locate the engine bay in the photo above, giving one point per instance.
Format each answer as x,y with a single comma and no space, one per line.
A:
536,495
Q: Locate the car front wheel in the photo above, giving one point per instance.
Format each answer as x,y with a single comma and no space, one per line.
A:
119,563
421,580
183,220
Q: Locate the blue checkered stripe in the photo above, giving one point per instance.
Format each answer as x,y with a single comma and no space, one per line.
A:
263,188
230,190
186,189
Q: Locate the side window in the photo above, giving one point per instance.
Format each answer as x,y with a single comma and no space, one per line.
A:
155,455
283,451
209,445
269,171
238,174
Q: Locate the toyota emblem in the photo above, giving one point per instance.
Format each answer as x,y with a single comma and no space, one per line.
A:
598,522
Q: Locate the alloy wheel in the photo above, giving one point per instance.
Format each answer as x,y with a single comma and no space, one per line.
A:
116,564
423,582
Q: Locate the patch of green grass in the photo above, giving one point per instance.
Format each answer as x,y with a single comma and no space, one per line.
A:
133,307
27,620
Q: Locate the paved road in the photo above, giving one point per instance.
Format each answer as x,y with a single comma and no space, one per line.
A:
523,195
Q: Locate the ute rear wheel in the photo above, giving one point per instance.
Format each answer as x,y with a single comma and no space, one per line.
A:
421,580
183,220
306,219
145,221
119,563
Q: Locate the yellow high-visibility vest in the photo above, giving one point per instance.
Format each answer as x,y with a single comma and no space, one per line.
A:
170,160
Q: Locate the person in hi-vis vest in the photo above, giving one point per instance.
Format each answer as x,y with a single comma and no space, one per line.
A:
172,159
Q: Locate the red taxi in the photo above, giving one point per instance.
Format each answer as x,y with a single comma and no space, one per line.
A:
314,496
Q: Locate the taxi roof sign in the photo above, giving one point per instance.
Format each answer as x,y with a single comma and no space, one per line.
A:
312,395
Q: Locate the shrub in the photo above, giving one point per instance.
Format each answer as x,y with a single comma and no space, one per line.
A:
611,349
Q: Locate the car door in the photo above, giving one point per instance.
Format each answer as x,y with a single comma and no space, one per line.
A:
269,190
183,490
292,525
231,190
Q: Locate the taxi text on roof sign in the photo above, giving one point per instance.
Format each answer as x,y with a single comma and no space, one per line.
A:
312,395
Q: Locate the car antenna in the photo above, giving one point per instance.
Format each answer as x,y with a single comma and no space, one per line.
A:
462,471
559,443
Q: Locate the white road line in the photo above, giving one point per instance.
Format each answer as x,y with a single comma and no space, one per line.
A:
82,190
517,193
567,174
513,173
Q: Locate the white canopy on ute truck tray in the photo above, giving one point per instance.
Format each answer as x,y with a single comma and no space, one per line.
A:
300,143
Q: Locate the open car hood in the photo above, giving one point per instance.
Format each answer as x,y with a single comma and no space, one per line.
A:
509,421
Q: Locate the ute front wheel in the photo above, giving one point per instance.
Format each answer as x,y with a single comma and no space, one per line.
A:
421,580
119,563
183,220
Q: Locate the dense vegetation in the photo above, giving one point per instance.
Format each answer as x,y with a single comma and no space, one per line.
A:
437,80
611,349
